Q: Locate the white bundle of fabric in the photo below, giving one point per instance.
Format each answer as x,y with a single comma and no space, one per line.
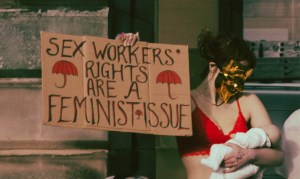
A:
253,138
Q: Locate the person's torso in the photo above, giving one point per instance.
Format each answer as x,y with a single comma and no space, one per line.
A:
208,131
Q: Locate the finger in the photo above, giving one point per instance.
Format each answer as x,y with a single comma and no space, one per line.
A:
125,41
120,36
229,158
129,39
231,163
137,36
123,36
133,41
229,170
117,37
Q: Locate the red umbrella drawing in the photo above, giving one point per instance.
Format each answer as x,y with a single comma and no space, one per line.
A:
169,77
138,113
65,68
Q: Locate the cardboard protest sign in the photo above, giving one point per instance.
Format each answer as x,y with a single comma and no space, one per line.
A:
97,83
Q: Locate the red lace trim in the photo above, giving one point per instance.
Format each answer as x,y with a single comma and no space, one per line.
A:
204,152
197,153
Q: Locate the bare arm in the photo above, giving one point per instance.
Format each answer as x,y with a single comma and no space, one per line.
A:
260,156
260,119
266,156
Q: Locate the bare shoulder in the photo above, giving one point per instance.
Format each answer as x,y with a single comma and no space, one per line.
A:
250,99
259,116
249,96
255,102
256,109
194,95
252,107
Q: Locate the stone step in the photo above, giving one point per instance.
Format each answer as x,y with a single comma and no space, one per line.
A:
53,164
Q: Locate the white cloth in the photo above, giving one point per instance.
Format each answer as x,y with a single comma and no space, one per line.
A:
253,138
291,147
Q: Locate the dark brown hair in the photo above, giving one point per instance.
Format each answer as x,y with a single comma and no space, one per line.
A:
223,47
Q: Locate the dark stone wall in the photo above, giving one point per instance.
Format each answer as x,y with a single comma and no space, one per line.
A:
29,149
20,32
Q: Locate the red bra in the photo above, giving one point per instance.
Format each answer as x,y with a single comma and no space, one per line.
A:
206,133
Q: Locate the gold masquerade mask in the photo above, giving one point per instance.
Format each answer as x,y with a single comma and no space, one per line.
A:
231,79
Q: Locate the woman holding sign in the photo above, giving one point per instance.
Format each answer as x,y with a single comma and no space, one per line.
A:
221,112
